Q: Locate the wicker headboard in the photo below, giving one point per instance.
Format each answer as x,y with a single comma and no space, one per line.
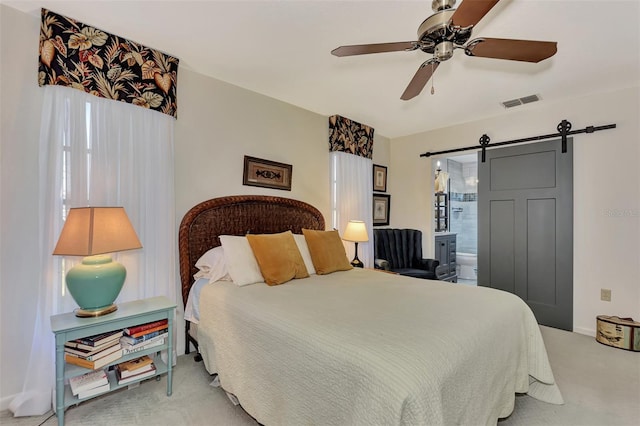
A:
237,215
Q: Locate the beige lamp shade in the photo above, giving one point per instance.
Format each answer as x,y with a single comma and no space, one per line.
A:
356,231
96,230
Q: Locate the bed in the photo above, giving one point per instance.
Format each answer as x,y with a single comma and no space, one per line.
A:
357,346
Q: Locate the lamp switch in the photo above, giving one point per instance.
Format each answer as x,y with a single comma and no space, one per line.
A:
605,294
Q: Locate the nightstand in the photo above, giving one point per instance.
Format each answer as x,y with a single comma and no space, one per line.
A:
69,327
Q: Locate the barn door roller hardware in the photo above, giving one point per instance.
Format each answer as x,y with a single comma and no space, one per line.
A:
564,130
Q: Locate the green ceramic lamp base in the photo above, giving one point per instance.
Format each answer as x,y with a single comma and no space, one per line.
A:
95,284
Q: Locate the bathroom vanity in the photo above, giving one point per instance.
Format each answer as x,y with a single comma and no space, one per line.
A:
445,253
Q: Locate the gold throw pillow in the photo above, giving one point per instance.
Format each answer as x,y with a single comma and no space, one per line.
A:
278,257
327,252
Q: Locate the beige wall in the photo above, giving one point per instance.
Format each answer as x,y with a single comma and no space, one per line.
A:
382,153
606,190
219,124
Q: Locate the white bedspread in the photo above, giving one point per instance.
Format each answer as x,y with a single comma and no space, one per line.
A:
367,348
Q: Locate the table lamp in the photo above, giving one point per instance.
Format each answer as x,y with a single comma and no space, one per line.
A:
93,231
357,232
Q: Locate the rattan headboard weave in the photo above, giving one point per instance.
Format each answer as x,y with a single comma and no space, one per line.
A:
237,215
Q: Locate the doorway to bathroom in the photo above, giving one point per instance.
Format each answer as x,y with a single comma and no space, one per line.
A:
460,188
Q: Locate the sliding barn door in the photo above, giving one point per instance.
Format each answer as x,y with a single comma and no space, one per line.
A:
525,227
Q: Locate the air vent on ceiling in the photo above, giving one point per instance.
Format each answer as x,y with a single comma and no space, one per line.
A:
520,101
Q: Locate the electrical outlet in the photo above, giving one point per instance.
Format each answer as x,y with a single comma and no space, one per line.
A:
605,294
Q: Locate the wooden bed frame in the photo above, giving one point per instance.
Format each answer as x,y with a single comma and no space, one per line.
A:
236,215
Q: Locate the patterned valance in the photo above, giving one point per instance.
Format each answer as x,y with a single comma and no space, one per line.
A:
85,58
350,136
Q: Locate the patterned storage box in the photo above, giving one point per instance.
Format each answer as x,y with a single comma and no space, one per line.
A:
623,333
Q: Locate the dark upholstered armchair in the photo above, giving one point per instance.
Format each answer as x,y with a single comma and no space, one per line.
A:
400,250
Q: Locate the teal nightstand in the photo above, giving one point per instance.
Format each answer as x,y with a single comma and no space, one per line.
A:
69,327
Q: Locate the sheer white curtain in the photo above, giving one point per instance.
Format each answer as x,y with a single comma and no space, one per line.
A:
99,152
351,199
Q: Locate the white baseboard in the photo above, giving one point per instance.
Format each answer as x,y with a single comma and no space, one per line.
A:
586,331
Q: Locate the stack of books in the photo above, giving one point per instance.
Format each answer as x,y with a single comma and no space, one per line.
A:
144,336
89,384
94,352
134,370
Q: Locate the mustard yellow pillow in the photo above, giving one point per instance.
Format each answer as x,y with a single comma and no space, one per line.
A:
327,252
278,257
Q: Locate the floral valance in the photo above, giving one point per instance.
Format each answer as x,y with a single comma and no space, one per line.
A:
83,57
350,136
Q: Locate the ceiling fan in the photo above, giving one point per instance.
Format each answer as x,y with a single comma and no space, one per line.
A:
448,29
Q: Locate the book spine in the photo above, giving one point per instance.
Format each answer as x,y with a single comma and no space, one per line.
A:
92,365
92,349
79,346
143,343
130,350
88,381
70,359
76,351
143,327
97,355
151,330
99,339
135,364
74,355
94,391
135,340
125,374
149,373
86,342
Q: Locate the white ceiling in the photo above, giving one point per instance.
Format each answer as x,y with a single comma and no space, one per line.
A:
282,49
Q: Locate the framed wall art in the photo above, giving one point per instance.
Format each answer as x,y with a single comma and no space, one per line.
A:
266,173
379,178
381,204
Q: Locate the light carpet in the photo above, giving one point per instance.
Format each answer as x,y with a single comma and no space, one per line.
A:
600,386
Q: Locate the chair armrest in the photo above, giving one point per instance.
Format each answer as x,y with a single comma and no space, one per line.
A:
441,270
427,264
382,264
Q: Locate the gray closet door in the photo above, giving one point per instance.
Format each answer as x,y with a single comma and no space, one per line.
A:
525,227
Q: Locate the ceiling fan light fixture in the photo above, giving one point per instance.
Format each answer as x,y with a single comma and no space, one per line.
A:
444,51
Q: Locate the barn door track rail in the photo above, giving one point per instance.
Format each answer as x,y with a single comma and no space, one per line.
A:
564,130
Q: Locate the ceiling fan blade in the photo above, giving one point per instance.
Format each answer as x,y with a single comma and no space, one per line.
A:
470,12
363,49
511,49
420,79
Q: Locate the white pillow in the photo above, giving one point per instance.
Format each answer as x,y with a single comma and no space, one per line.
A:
304,251
242,264
192,309
212,265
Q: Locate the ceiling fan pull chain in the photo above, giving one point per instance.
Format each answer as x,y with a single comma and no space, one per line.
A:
433,77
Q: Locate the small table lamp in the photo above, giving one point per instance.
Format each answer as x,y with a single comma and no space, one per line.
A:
93,231
357,232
